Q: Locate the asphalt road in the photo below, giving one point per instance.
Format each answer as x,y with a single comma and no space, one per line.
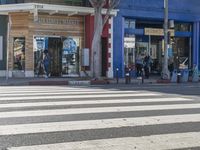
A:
109,117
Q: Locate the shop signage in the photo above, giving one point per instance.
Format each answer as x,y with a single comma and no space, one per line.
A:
157,32
129,42
58,21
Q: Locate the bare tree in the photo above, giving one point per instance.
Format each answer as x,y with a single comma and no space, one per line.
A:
99,22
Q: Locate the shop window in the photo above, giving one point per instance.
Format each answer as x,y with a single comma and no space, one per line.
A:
19,53
185,27
181,52
129,52
70,56
130,23
141,24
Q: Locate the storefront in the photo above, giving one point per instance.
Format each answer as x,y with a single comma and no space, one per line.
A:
139,31
59,30
61,36
3,42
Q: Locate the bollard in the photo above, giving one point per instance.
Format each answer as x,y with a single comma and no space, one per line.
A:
117,75
127,78
129,71
142,74
178,77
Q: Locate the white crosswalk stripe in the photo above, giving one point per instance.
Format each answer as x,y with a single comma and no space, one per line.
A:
96,124
77,96
27,97
13,105
168,141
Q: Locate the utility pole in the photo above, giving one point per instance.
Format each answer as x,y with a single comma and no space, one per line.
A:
165,71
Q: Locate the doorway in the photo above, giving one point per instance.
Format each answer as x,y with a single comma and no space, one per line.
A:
55,52
104,56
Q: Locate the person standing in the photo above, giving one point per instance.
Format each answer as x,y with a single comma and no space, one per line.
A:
139,64
46,62
147,64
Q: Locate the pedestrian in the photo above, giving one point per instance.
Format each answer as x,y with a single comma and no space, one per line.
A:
46,62
147,65
139,64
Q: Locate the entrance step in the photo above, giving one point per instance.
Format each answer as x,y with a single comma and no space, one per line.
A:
48,82
79,82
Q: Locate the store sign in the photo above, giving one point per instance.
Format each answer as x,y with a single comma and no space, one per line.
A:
129,42
58,21
157,32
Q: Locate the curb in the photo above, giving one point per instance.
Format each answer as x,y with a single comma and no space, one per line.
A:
75,83
48,83
163,81
79,83
99,82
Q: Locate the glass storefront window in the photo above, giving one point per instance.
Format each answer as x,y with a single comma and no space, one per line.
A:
181,51
185,27
129,52
19,53
130,23
70,56
141,24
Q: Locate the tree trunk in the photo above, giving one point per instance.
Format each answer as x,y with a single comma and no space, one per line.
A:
96,61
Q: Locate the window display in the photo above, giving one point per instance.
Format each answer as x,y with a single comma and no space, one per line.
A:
70,56
19,53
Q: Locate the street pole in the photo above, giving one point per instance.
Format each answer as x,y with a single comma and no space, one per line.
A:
8,49
165,71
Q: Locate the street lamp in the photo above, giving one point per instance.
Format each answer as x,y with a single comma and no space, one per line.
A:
165,71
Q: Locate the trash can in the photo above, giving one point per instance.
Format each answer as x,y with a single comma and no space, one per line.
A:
184,75
195,75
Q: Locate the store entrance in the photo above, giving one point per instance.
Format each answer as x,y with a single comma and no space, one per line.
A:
64,54
104,56
55,52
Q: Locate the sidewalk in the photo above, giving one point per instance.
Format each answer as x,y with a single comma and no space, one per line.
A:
77,81
66,81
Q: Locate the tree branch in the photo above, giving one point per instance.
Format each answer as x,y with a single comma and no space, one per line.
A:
112,5
93,3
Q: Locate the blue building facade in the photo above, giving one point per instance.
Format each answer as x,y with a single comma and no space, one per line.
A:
138,29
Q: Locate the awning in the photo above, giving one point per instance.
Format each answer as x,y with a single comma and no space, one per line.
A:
35,8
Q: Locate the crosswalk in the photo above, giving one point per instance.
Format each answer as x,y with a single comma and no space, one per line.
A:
85,118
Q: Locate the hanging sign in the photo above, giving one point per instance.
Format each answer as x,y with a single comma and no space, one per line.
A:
157,32
129,42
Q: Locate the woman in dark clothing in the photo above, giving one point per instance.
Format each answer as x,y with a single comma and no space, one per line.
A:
147,63
46,62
